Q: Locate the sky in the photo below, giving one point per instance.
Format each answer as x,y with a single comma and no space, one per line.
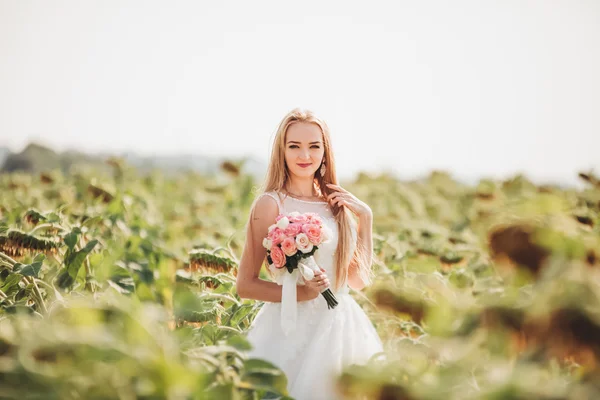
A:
478,88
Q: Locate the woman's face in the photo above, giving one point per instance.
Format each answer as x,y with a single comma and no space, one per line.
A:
304,149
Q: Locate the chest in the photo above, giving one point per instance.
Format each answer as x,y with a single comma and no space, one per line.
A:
323,256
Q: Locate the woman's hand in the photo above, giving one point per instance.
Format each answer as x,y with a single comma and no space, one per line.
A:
343,198
317,284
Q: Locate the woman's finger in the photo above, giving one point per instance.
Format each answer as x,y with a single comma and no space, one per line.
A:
338,201
337,195
331,195
334,187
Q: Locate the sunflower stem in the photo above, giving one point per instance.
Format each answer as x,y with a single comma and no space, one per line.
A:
6,264
49,286
38,295
88,272
7,258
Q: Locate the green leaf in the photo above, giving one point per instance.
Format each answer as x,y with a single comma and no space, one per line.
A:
264,375
11,284
75,259
461,279
220,391
451,257
64,280
19,309
32,269
92,221
117,287
187,305
239,342
238,314
53,217
71,239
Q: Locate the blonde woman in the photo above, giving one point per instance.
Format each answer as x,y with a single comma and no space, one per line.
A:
302,177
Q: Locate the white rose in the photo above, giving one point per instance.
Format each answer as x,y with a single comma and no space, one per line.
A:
267,243
303,244
271,228
294,214
283,223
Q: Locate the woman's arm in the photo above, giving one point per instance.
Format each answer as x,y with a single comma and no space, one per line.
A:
365,244
248,283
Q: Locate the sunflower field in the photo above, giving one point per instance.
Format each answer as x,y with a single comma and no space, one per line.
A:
121,285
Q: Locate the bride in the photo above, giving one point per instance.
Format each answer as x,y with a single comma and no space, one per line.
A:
301,177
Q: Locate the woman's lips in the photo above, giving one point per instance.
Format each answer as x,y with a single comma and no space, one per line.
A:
304,165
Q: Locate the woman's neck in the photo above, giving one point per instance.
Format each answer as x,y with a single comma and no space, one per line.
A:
301,187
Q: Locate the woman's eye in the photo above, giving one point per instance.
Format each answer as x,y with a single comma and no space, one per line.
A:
295,146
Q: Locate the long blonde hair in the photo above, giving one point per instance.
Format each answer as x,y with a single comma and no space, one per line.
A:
278,174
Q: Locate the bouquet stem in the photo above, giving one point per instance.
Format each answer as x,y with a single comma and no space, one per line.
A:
330,298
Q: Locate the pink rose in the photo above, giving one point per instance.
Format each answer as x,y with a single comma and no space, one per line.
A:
276,236
313,232
300,219
314,218
289,246
277,257
293,229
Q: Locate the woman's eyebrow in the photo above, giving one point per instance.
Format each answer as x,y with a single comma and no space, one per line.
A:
292,141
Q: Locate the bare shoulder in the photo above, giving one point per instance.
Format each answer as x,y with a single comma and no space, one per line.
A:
265,209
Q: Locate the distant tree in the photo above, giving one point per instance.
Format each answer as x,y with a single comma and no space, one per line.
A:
34,158
17,162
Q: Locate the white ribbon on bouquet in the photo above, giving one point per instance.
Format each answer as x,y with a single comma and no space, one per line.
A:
289,300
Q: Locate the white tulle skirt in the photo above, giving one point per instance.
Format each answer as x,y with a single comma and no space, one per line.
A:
323,343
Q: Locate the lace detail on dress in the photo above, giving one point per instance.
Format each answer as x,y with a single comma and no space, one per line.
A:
306,201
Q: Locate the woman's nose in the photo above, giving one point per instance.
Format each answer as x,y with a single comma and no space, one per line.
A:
304,154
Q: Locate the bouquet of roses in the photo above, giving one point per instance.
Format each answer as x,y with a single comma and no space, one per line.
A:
291,243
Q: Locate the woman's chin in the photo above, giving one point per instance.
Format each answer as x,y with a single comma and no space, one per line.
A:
304,173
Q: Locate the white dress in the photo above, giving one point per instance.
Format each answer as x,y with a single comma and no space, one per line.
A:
324,341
